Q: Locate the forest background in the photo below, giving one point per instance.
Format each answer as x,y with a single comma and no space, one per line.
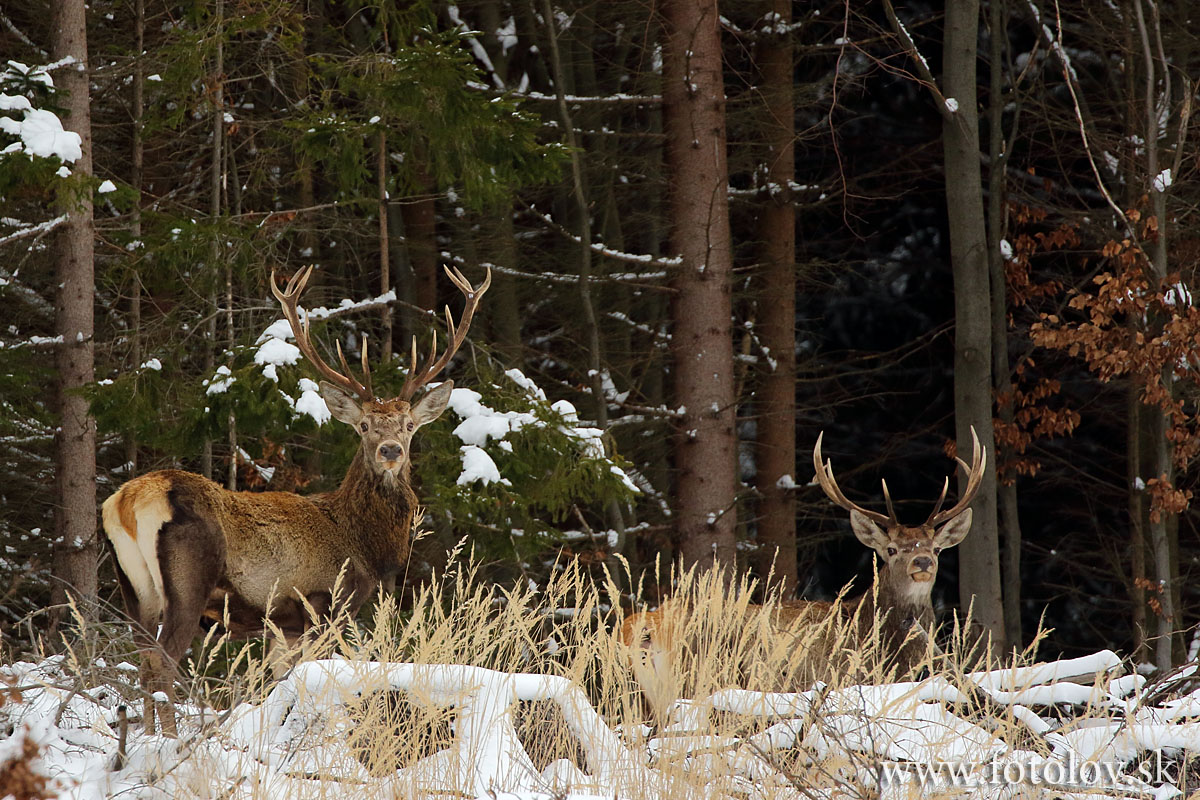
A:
716,232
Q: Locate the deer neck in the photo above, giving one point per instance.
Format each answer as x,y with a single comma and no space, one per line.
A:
376,510
899,600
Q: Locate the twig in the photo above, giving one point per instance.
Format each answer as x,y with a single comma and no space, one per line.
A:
122,738
910,47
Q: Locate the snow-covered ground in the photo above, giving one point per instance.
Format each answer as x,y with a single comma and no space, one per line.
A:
1104,733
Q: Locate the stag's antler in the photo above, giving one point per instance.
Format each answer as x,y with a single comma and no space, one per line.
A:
937,517
287,301
829,484
974,478
457,333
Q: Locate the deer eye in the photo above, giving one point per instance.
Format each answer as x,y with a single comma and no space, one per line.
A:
892,551
937,550
411,425
362,426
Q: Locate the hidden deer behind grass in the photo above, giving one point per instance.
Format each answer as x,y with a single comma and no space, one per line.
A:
884,631
188,550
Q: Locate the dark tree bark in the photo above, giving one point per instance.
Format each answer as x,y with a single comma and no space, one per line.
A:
420,229
701,343
775,445
1001,371
75,552
385,249
979,554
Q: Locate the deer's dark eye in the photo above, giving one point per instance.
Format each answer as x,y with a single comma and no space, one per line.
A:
363,427
892,551
411,425
937,550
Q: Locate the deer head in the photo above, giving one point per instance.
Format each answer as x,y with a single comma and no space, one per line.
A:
385,426
909,552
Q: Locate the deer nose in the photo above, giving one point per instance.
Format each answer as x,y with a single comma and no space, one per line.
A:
923,563
390,451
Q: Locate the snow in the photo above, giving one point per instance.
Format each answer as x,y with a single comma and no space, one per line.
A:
312,403
220,382
1162,181
41,133
17,102
477,465
903,736
482,425
277,352
106,187
153,364
951,105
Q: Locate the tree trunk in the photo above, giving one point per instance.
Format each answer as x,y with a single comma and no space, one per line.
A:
1162,541
75,550
701,342
420,228
1138,521
385,250
979,554
1001,370
775,445
137,158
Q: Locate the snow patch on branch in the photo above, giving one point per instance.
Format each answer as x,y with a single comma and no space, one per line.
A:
1162,181
41,134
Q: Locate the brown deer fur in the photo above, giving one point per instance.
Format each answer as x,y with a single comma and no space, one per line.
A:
190,552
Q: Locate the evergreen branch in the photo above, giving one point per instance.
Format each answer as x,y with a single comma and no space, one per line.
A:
615,255
611,99
627,278
34,230
15,31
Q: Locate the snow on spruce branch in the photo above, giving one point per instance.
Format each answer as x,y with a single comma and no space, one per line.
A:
616,255
27,229
38,133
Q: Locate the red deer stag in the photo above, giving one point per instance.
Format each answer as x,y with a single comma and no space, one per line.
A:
899,602
901,599
190,550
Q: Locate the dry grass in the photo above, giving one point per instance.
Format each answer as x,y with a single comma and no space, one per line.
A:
700,734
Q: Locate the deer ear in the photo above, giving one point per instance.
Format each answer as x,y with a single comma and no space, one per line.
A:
343,407
953,531
431,406
868,532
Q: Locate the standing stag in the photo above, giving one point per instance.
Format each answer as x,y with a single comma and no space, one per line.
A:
895,613
190,550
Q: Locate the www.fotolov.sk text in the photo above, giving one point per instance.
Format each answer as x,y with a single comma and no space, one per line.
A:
1073,772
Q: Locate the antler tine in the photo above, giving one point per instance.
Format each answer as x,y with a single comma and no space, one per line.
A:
457,334
828,482
887,498
974,479
288,299
941,498
366,368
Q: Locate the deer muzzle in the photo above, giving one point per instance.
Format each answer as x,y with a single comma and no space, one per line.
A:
922,569
390,454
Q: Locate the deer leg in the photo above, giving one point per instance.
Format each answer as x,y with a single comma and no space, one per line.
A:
191,553
144,626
